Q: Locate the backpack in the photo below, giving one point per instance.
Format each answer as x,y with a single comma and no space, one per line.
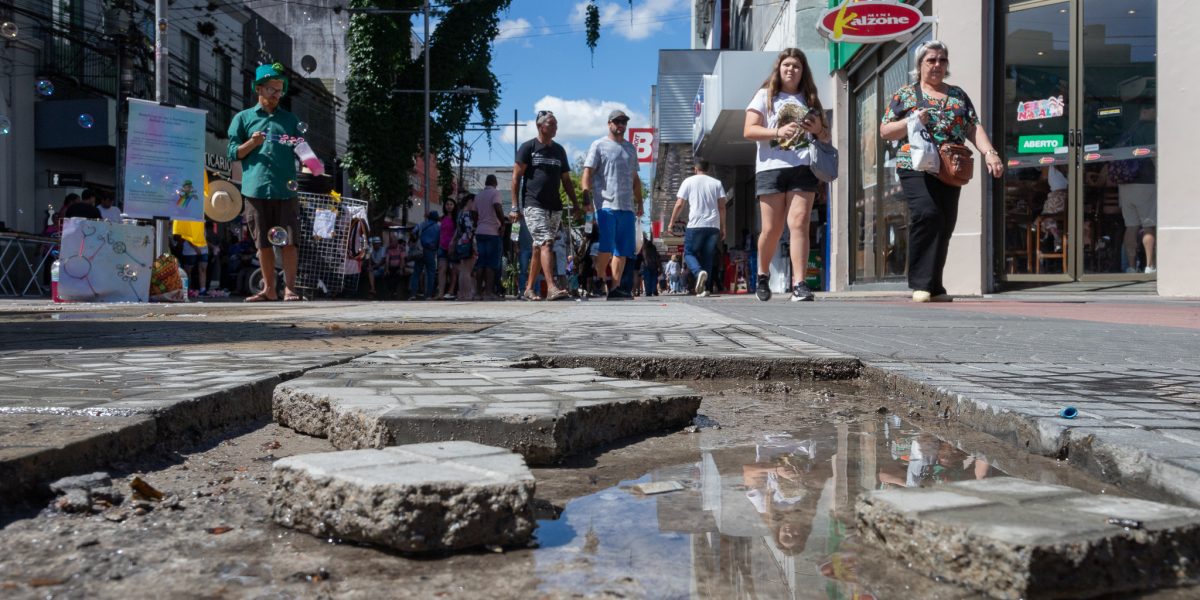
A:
430,234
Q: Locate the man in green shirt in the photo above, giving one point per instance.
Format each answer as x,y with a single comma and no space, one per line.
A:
258,136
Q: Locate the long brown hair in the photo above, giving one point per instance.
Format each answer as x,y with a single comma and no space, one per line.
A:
807,88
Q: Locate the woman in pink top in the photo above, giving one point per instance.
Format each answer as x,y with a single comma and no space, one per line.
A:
445,267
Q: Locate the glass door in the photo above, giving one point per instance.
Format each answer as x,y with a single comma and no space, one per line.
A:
1036,233
1079,136
1118,219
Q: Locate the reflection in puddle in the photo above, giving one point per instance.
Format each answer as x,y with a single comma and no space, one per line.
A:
772,518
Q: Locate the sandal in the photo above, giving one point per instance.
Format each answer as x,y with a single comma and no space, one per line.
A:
558,294
290,296
260,297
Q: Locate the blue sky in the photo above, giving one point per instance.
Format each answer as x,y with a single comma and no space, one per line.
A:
543,63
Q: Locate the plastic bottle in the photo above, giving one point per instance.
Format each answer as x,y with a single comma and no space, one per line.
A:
54,281
587,223
184,278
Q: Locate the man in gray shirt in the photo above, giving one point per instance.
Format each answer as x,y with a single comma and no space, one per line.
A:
610,177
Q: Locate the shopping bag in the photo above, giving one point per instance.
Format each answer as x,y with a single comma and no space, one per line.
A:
921,149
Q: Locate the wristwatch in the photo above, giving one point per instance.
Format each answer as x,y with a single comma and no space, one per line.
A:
992,151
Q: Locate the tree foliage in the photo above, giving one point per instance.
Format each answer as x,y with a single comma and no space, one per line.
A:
386,130
592,25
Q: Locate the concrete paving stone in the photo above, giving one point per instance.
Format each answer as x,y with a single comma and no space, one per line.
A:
1160,423
435,497
1010,538
542,423
1189,436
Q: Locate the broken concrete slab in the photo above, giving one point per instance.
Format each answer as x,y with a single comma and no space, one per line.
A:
543,414
1011,538
416,498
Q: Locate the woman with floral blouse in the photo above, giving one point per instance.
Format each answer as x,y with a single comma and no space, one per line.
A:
948,114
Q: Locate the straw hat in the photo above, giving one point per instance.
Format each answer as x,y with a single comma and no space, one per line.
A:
224,202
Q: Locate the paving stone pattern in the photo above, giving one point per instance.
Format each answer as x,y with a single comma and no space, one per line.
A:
1012,538
544,414
1137,388
416,498
108,383
670,350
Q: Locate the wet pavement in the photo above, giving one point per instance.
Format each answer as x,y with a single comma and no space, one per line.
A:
765,510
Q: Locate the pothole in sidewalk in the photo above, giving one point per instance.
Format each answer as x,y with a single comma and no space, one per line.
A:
756,501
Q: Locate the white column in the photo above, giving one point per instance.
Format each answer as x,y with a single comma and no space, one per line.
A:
963,26
1178,105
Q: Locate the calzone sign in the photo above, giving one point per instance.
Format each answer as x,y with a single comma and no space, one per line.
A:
869,22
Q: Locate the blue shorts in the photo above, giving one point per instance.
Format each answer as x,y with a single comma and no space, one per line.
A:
489,249
617,231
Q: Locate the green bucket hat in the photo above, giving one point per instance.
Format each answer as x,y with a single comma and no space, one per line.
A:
271,71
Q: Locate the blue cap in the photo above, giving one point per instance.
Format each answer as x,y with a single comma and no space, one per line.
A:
433,214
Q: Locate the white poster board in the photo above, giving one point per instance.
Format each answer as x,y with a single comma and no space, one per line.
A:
164,162
105,262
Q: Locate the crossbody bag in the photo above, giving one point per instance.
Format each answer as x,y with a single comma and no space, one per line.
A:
957,161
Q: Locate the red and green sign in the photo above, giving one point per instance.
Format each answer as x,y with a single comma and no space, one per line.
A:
869,22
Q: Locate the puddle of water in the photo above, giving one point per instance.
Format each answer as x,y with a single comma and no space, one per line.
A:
773,518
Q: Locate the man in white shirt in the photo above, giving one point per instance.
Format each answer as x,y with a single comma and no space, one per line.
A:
705,198
108,212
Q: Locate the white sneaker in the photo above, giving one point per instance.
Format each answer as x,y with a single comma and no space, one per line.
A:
701,279
703,294
921,296
1151,270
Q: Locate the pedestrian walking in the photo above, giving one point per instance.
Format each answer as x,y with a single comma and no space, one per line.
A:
783,118
650,266
947,113
610,176
704,197
425,264
541,166
445,262
464,247
488,244
269,177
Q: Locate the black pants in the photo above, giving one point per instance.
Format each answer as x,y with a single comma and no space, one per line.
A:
932,213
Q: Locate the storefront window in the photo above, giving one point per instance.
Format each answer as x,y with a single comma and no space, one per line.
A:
880,214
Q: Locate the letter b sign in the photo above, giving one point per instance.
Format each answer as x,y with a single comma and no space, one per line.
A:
643,140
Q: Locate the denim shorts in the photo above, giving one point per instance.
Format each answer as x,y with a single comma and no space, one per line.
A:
791,179
617,231
489,249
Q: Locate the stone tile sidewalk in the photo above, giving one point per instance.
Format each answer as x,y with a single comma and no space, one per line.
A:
1136,387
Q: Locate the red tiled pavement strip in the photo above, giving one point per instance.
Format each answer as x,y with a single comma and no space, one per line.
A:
1161,315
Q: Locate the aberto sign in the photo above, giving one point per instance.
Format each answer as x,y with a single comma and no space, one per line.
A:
869,22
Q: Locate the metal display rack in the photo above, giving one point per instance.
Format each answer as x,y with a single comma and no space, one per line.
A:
322,264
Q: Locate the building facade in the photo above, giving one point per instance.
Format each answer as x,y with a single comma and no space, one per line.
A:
69,66
1093,198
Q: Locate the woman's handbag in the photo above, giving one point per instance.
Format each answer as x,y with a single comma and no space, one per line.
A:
823,160
957,164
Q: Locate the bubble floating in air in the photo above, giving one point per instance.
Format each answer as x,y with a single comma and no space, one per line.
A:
86,121
5,125
292,185
44,87
302,127
278,236
146,180
9,30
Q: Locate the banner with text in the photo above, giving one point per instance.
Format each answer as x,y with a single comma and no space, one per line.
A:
164,162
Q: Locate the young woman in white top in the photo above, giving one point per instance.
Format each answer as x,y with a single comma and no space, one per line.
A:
784,183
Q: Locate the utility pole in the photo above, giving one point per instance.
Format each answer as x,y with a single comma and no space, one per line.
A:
425,147
162,52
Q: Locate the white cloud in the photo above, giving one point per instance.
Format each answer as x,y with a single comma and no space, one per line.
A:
513,28
578,120
614,17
